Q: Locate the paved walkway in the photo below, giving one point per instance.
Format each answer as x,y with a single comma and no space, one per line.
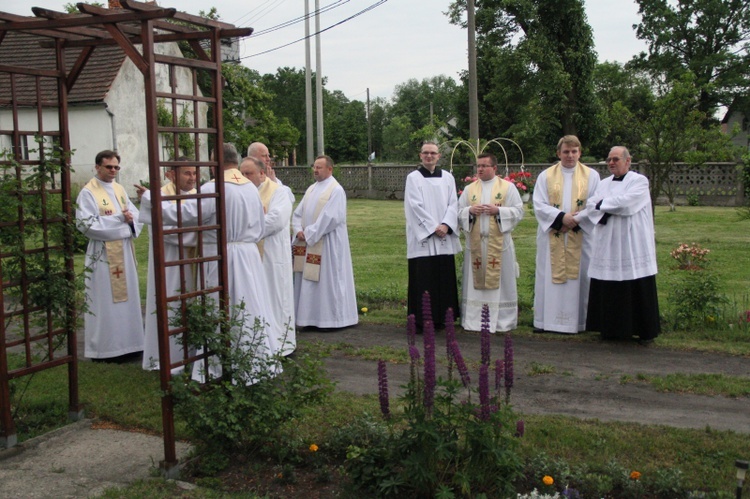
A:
583,379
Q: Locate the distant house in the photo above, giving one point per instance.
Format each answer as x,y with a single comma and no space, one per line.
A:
106,106
738,117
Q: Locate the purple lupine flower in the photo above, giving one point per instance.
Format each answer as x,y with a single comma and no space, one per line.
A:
460,364
429,366
520,428
426,309
383,389
485,338
499,374
484,392
508,366
450,336
411,330
413,365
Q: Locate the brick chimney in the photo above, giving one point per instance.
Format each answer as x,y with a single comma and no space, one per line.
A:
115,4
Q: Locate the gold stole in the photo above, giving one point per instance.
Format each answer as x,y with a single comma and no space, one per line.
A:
234,176
307,259
565,257
266,191
485,278
115,249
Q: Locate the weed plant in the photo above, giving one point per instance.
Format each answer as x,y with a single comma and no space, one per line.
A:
246,409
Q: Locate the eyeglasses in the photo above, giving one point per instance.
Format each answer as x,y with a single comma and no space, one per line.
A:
614,159
112,167
429,153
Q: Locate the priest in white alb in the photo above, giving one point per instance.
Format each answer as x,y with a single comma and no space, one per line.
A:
276,249
488,211
181,180
324,293
243,225
563,241
113,324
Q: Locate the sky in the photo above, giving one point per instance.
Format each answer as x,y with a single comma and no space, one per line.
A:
394,41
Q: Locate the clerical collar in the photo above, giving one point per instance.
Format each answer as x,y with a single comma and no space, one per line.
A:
426,173
619,179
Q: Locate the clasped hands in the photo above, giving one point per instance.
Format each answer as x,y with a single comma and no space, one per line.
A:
484,209
569,222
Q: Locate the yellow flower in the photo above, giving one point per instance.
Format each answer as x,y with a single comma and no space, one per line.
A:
548,480
635,475
364,310
313,448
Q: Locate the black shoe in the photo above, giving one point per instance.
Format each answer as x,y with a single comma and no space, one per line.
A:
539,331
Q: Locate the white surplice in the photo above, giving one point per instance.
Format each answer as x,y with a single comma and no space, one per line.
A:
277,263
561,307
502,302
246,284
110,329
173,286
429,202
624,249
330,302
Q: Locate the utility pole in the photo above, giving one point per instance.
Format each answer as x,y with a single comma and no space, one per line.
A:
473,99
310,149
318,80
369,126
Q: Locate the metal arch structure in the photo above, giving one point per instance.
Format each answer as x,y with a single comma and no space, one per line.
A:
72,39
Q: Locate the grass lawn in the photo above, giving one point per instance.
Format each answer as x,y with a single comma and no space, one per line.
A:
129,396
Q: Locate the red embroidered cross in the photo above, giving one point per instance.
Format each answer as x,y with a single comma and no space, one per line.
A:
493,262
117,272
477,263
236,178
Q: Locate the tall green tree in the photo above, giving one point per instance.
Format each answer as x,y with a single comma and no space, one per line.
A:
248,116
627,99
675,132
345,124
547,47
708,38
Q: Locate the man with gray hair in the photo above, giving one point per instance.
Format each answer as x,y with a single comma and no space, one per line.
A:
622,297
275,250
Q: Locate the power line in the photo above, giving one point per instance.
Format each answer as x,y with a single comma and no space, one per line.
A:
299,19
251,11
366,9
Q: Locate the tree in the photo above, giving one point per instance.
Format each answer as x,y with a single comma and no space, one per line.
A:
627,98
672,134
248,116
345,127
547,47
708,38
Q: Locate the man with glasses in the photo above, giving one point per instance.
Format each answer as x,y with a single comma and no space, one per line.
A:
431,209
113,323
488,211
563,241
623,302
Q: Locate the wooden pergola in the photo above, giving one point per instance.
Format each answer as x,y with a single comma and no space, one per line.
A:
28,324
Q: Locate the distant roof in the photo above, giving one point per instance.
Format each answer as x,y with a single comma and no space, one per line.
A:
25,50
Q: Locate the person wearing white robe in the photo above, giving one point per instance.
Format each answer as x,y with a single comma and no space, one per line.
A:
431,211
505,213
623,301
182,178
243,226
259,151
560,303
113,323
276,249
329,301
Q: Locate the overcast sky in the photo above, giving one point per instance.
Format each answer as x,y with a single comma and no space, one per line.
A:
394,41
